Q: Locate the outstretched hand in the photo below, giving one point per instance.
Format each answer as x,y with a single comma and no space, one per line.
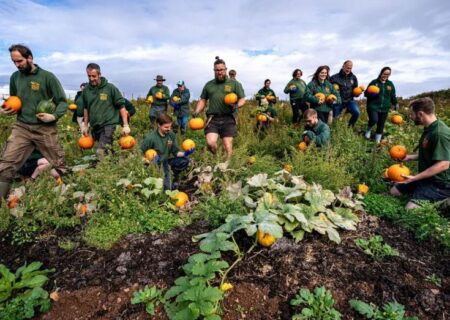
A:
187,153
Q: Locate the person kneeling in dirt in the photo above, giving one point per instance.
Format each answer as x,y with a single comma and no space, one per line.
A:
35,165
315,130
432,183
164,142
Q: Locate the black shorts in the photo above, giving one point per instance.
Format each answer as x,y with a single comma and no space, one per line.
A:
223,125
425,190
104,136
28,167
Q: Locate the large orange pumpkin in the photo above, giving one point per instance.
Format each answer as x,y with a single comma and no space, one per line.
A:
188,144
357,91
150,154
396,171
127,142
86,142
398,152
265,239
302,146
13,103
181,199
320,96
397,119
196,123
72,107
231,98
373,90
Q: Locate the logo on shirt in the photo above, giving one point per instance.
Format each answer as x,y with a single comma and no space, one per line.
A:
327,90
352,82
389,88
227,88
103,96
169,143
35,86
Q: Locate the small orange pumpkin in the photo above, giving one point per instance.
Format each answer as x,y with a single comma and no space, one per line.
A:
176,98
150,99
373,90
159,95
230,98
357,91
331,98
86,142
13,201
181,199
398,152
196,123
397,119
363,188
261,118
396,171
288,167
251,160
188,144
320,96
150,154
265,239
72,107
302,146
13,103
127,142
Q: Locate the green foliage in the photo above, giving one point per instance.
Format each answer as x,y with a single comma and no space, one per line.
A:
216,209
434,279
375,247
390,311
21,292
150,296
317,305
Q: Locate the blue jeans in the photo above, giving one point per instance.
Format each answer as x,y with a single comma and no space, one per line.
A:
182,121
352,108
177,165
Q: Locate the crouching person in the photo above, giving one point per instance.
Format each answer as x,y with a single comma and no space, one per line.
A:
315,129
163,141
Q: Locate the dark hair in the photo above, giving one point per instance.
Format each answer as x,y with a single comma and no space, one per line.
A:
219,61
309,112
267,80
93,66
163,118
24,51
315,76
232,72
295,71
426,105
383,70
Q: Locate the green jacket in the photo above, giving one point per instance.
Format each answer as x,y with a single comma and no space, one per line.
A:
384,100
103,103
320,134
326,88
166,146
266,92
159,105
183,104
214,92
33,88
301,88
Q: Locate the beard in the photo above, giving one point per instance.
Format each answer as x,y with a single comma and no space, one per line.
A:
26,69
221,78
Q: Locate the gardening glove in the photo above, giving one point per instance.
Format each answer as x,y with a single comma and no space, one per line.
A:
84,129
396,107
46,117
293,89
126,130
7,111
175,106
309,134
264,102
187,153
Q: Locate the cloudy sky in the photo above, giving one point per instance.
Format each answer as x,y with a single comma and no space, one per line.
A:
133,41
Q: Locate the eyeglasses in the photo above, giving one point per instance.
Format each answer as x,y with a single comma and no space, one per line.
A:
220,70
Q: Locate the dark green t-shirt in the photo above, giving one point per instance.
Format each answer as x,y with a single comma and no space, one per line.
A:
166,146
165,96
434,145
385,99
103,103
266,92
34,87
214,92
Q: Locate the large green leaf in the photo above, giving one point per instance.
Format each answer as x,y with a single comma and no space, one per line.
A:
298,235
343,218
217,242
259,180
319,199
36,281
268,223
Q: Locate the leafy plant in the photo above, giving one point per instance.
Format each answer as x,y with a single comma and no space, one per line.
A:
375,247
317,305
389,311
150,296
434,279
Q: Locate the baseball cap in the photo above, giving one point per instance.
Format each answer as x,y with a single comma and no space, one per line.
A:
180,83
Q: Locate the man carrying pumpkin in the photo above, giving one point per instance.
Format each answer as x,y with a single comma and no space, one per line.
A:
224,97
179,100
316,130
432,183
103,108
43,102
160,95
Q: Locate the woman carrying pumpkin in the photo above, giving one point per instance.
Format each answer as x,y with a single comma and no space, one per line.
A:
321,94
296,89
380,95
266,112
163,141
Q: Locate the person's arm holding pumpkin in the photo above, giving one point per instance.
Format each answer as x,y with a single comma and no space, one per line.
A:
124,115
12,92
436,168
85,127
201,104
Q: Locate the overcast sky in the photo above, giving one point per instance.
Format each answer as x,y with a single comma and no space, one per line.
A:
133,41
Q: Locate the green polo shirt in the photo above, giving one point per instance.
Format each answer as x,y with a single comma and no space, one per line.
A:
326,88
265,92
34,87
166,146
214,92
103,103
385,99
301,86
165,96
434,145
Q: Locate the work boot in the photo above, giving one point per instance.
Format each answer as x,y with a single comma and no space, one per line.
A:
378,138
4,190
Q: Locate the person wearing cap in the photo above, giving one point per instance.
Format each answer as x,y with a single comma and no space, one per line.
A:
161,95
221,120
179,100
296,88
103,109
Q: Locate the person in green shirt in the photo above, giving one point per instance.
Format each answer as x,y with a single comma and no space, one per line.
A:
432,183
221,116
75,117
266,98
296,89
181,105
316,130
103,109
378,105
32,85
320,84
160,94
164,142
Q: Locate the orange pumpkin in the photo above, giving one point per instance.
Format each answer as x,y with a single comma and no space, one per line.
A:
127,142
150,154
271,98
181,199
261,118
188,144
86,142
159,95
72,107
150,99
397,119
231,98
13,201
176,98
398,152
196,123
357,91
373,90
331,98
251,160
265,239
320,96
362,87
363,188
13,103
288,167
396,171
302,146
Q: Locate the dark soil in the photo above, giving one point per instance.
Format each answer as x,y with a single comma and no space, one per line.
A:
97,284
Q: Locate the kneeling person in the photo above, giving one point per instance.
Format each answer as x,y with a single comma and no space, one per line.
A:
315,130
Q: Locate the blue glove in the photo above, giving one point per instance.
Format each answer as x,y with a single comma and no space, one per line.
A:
156,159
293,89
189,152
